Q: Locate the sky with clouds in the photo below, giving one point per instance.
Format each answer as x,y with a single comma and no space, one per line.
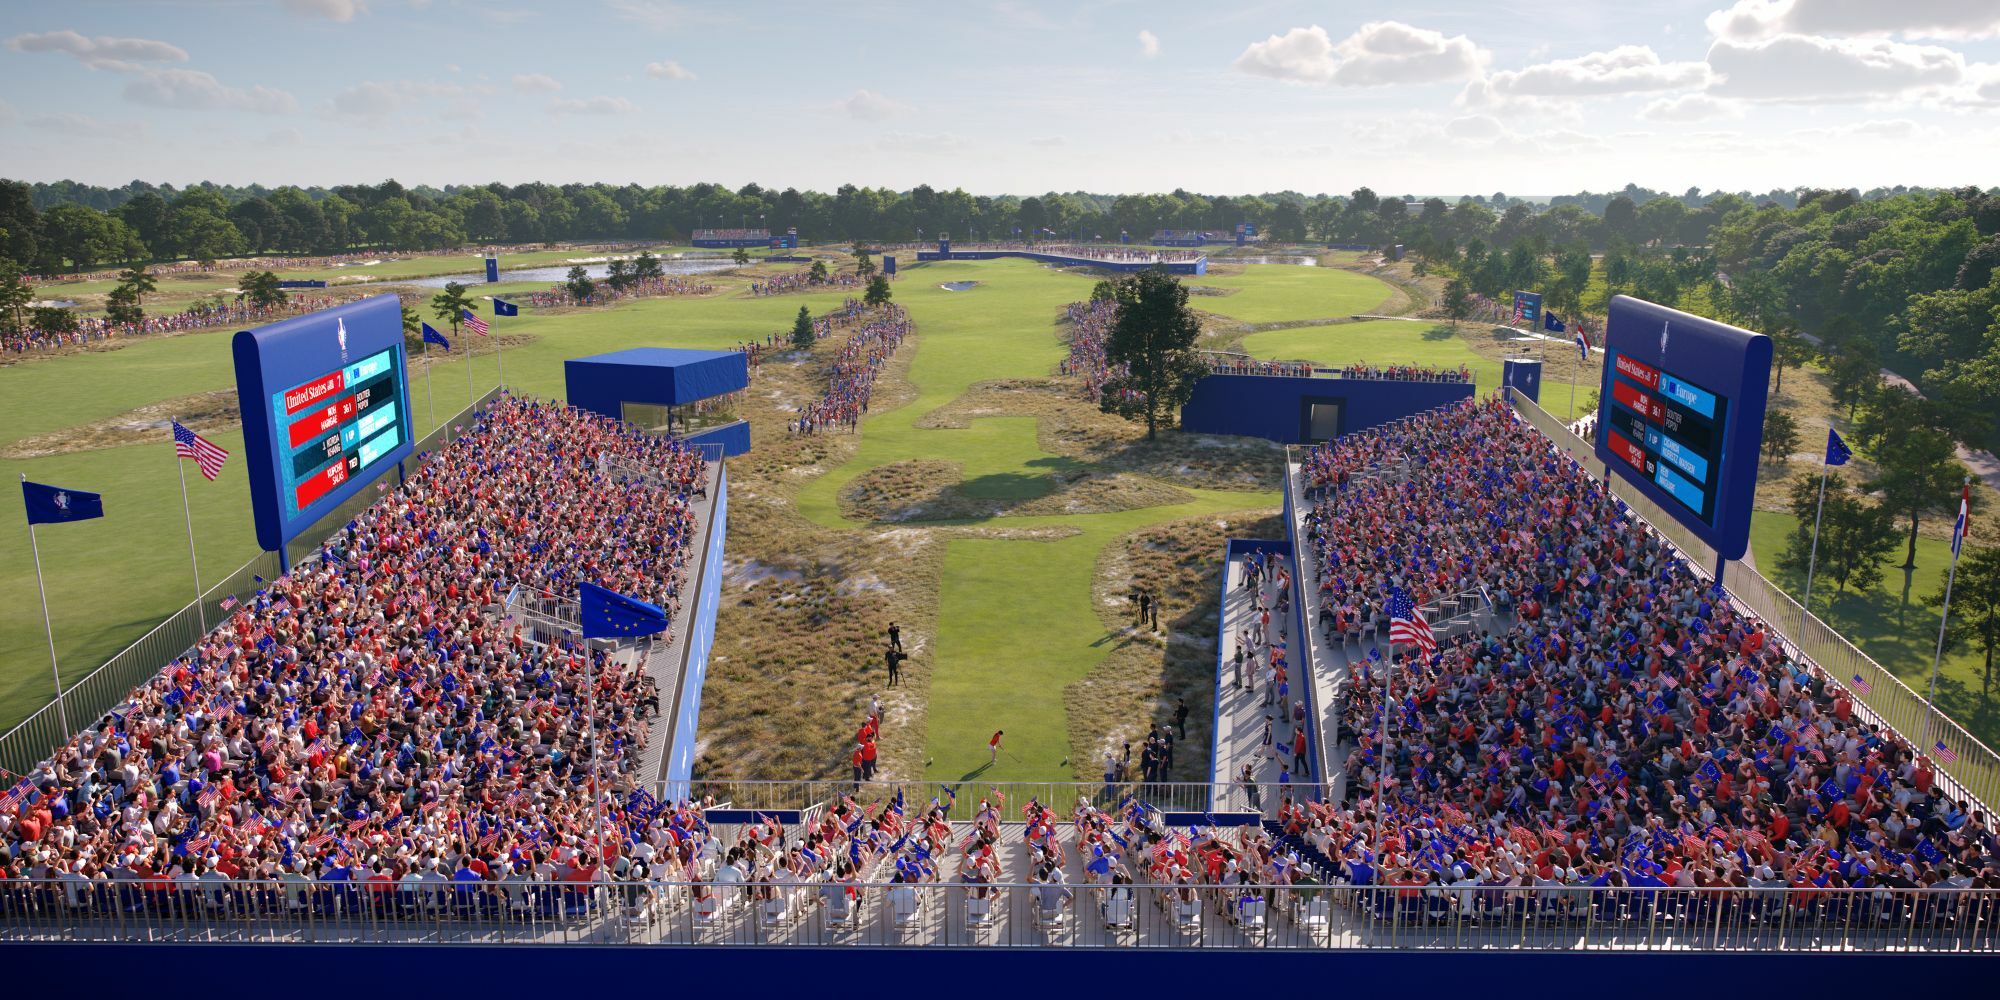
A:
1013,96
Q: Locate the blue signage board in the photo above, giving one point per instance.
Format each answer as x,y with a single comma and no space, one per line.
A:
326,409
492,270
1681,415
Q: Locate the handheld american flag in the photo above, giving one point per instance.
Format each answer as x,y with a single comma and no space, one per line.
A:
206,455
474,323
1407,624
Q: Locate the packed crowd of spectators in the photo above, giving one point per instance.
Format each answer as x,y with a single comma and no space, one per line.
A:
373,717
1625,724
1107,252
851,379
802,281
602,292
1406,373
1223,364
1089,327
90,329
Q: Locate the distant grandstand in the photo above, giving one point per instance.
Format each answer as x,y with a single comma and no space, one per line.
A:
728,239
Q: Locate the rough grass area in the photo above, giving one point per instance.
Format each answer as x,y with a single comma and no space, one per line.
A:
1145,674
206,412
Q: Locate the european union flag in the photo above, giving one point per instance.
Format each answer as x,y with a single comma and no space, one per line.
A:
54,505
502,307
608,614
1837,452
431,336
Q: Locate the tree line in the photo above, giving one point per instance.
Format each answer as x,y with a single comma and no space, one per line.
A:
65,226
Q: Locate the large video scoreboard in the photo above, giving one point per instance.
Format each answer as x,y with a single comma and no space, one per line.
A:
1681,415
325,399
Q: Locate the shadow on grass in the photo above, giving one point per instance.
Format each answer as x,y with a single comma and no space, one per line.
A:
976,772
1439,331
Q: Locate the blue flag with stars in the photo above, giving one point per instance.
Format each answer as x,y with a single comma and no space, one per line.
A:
608,614
502,307
1837,452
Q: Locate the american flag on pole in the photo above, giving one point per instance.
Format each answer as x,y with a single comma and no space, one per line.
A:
1959,530
474,323
188,444
1407,624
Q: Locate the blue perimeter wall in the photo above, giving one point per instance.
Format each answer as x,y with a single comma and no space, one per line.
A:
1301,665
557,969
1199,266
734,438
701,638
1274,406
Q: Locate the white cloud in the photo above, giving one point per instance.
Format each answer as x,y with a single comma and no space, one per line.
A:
1807,69
1149,43
102,51
662,15
369,100
1377,54
1754,20
284,138
194,90
1626,69
536,83
81,126
919,142
592,106
1690,108
1047,141
668,69
869,106
332,10
1475,127
1893,128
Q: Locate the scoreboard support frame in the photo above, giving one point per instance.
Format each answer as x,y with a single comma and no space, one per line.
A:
1681,417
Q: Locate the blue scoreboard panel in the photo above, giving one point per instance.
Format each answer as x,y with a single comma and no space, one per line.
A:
326,410
1681,415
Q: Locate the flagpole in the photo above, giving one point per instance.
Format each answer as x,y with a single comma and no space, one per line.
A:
194,563
1944,618
430,400
55,669
1812,563
470,395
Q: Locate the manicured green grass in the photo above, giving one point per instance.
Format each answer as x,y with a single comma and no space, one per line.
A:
1892,624
1277,293
1016,616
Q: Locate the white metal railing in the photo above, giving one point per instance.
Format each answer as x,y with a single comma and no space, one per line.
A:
1316,912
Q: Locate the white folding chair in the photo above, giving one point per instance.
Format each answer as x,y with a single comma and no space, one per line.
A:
1118,913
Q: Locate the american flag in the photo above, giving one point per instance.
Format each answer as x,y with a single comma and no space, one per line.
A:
1944,754
229,602
474,323
188,444
1407,624
1862,685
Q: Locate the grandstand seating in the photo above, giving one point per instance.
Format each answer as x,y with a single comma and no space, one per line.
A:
1624,725
377,715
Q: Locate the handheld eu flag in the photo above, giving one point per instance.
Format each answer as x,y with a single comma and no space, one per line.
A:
502,307
608,614
55,505
1837,452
